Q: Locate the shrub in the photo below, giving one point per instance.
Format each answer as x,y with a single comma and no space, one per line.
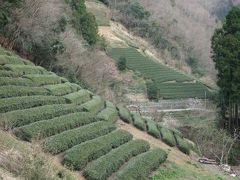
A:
78,97
108,114
89,28
167,136
65,140
152,128
40,80
142,165
13,91
152,91
103,167
95,105
62,89
138,121
183,145
80,155
4,73
176,132
124,114
109,104
15,103
122,64
15,81
5,59
23,117
25,69
46,128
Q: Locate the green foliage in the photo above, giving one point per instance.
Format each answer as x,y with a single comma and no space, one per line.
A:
152,91
15,103
106,165
89,28
183,145
5,9
137,11
46,128
26,116
122,64
6,59
65,140
108,114
152,128
4,73
4,81
142,165
80,155
40,80
192,61
95,105
138,121
124,114
78,97
84,21
62,89
13,91
226,49
167,136
25,69
57,47
170,83
109,104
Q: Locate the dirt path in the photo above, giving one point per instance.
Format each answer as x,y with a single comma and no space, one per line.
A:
174,154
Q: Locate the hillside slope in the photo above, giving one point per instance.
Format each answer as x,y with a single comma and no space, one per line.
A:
78,127
190,24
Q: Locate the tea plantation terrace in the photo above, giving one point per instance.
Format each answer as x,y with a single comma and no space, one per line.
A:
171,83
37,105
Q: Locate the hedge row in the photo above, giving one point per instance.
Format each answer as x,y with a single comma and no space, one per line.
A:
4,81
25,69
167,136
176,132
65,140
95,105
23,117
141,166
78,97
46,128
62,89
13,91
5,59
80,155
24,102
40,80
108,114
124,114
109,104
106,165
183,145
152,128
138,121
4,73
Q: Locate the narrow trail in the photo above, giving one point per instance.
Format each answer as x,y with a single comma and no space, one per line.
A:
174,154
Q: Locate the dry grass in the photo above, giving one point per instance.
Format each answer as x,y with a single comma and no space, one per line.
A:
192,21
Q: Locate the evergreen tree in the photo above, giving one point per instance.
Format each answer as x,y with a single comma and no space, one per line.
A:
226,55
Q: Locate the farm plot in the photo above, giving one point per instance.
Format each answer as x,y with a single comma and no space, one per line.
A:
171,83
37,105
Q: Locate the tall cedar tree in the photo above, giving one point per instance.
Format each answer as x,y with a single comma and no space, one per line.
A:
226,55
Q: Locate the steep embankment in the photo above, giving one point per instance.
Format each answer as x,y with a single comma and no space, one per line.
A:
78,127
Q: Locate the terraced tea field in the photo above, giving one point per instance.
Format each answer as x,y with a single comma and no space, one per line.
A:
171,83
67,120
